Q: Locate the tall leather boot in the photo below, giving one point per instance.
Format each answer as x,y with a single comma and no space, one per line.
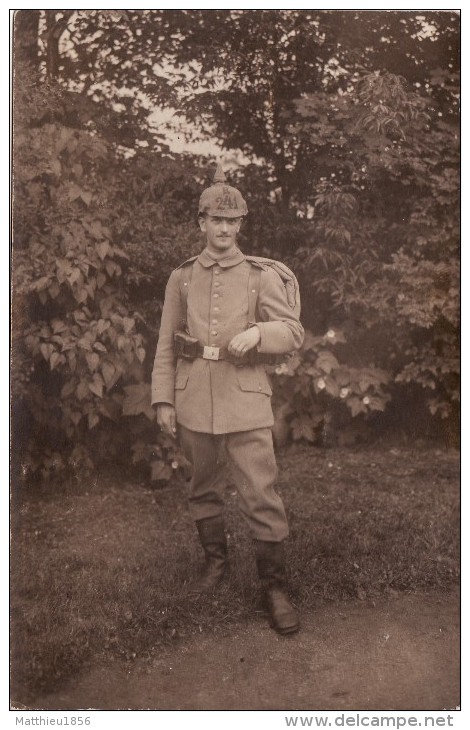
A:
214,542
271,570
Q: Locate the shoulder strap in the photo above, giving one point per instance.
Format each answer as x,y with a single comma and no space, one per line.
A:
185,280
254,279
185,263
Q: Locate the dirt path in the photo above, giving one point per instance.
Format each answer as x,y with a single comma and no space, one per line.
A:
400,654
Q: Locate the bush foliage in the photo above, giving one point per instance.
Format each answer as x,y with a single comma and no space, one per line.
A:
354,183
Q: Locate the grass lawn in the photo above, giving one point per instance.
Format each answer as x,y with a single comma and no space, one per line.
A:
103,568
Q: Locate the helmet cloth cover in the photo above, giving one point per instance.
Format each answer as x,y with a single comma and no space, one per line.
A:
222,200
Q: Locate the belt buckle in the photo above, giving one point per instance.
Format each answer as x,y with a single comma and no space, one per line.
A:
211,353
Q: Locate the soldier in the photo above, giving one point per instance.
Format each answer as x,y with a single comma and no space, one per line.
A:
224,315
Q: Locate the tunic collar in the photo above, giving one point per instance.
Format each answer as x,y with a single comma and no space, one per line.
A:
206,260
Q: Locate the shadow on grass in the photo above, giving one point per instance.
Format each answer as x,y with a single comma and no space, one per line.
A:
104,571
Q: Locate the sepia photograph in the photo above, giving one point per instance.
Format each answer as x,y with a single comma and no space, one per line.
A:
235,362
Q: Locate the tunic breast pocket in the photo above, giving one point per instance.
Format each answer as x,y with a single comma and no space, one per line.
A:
253,380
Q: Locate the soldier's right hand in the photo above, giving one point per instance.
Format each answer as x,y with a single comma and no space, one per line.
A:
166,418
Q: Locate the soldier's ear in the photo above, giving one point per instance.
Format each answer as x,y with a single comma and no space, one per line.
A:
202,223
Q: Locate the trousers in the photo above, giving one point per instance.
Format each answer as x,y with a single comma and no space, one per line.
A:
253,462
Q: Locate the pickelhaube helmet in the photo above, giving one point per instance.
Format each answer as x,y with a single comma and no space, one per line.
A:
222,200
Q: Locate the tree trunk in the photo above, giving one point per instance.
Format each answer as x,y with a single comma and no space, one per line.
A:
52,50
25,38
55,28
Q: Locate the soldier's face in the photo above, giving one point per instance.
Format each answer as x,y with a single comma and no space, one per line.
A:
221,233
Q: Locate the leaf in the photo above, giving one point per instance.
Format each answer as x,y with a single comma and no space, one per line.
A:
91,288
74,275
140,352
302,429
111,409
102,249
331,386
339,337
31,341
75,417
99,346
55,166
128,324
80,295
96,229
377,404
74,192
361,594
58,326
85,344
103,325
79,316
55,359
82,390
326,361
46,350
312,371
54,290
356,406
119,252
293,363
109,372
160,471
137,401
93,420
41,284
93,361
122,342
67,389
86,196
65,134
96,386
112,268
72,358
310,341
342,377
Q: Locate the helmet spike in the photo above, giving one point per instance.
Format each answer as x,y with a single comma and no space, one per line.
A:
219,175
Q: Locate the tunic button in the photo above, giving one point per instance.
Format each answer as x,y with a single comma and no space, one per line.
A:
216,309
259,387
216,296
213,333
215,321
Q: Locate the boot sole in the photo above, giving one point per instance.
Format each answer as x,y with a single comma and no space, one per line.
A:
211,590
286,631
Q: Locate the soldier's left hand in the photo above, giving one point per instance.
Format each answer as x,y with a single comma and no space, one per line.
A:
241,343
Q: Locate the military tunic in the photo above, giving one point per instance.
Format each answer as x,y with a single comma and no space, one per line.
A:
218,396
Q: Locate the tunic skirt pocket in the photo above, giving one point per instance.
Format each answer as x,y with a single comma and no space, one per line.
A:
253,379
183,369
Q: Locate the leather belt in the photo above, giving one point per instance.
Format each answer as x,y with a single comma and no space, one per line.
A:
206,352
